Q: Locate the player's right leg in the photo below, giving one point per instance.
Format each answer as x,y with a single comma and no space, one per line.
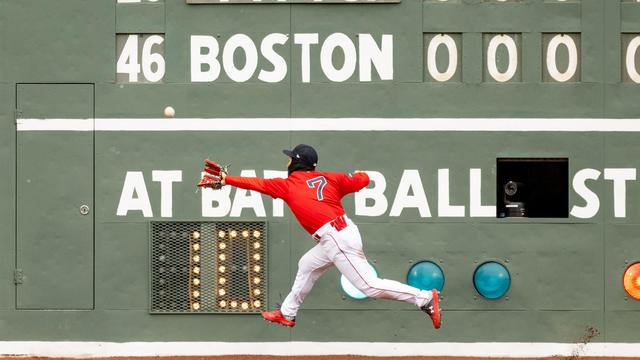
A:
310,267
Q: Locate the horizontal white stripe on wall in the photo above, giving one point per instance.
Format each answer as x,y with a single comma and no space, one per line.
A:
55,124
515,350
331,124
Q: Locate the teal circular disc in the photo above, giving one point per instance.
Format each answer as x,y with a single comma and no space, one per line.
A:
426,275
491,280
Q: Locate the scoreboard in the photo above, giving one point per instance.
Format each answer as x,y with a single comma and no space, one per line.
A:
501,139
208,267
367,57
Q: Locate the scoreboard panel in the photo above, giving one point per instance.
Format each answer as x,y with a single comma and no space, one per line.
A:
208,267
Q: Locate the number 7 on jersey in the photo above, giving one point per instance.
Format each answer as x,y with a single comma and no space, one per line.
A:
320,181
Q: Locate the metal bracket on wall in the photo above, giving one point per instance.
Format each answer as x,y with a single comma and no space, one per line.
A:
18,276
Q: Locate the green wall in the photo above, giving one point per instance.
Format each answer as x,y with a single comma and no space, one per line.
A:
565,272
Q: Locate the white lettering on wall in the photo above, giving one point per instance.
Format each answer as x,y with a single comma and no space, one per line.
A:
166,179
375,194
590,209
371,201
305,41
492,63
445,209
149,59
199,43
206,65
432,49
128,60
279,71
244,43
381,57
410,182
630,59
476,209
331,44
216,203
134,196
620,178
552,49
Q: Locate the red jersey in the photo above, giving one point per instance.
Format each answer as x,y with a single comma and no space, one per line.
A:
314,197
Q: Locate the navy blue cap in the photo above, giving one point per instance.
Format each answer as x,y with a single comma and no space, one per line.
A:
304,153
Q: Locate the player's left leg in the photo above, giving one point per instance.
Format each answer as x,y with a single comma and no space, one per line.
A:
311,266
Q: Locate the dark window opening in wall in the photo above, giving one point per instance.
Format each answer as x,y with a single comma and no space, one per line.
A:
533,187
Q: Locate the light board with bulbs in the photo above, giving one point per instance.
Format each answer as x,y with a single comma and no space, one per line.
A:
208,267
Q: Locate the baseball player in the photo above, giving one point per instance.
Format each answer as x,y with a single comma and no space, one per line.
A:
314,197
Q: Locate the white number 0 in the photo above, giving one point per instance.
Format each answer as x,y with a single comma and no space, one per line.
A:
128,60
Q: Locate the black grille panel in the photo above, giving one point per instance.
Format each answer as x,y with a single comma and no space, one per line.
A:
208,267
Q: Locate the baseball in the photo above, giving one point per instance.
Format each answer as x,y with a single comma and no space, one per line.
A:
169,112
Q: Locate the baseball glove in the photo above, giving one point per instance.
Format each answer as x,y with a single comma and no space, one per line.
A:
213,175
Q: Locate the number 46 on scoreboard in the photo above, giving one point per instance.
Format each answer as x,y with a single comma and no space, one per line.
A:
140,54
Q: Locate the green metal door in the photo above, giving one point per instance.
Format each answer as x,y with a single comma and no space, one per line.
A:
55,246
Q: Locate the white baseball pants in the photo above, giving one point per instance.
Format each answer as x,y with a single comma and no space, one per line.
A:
344,250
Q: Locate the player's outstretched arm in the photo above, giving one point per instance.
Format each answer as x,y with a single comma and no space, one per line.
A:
273,187
217,176
354,182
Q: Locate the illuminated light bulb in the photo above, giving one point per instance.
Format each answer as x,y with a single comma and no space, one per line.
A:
350,290
245,233
256,303
196,270
256,256
233,233
631,280
195,306
196,234
256,291
196,281
256,268
223,303
222,257
256,245
196,247
196,294
221,292
196,258
221,233
256,280
256,234
222,269
222,281
234,304
244,305
222,246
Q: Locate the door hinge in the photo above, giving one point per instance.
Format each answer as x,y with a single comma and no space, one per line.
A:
18,114
18,276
